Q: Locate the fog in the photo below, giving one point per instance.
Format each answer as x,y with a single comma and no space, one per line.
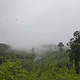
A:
29,23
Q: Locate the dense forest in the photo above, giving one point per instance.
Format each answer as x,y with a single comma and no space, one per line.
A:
62,64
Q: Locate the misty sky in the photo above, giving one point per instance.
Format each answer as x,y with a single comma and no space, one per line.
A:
27,23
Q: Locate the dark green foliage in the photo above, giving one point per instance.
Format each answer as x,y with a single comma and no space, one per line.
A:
4,47
75,49
21,66
28,64
2,59
48,68
60,45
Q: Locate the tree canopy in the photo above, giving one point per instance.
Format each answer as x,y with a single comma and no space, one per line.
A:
60,45
74,44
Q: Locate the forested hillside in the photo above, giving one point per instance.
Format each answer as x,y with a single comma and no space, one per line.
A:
39,39
53,65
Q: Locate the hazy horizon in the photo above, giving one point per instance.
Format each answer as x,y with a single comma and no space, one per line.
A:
28,23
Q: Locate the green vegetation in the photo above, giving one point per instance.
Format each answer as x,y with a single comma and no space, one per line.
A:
52,65
75,50
47,68
60,45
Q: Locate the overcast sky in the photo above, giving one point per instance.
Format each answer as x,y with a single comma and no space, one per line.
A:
27,23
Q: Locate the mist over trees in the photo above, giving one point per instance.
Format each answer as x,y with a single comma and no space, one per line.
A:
47,62
33,38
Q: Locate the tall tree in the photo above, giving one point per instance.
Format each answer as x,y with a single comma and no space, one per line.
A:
74,44
60,45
